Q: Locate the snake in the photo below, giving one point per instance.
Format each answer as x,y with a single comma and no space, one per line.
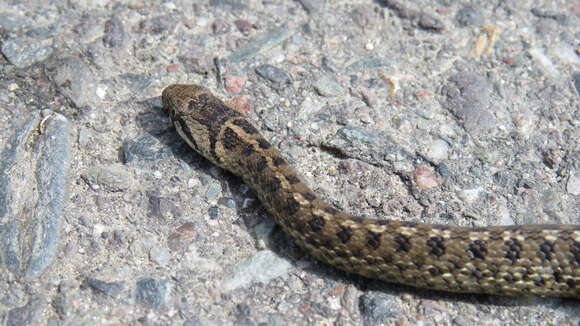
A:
512,260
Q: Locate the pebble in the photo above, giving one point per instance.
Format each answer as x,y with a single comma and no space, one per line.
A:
101,288
182,237
112,178
438,151
379,308
152,293
573,184
468,98
425,178
75,80
144,148
260,268
470,195
213,191
24,52
278,77
160,255
260,44
327,86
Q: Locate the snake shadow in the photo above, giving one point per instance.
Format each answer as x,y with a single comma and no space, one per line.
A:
155,122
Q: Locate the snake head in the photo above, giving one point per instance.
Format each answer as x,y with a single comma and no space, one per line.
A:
176,98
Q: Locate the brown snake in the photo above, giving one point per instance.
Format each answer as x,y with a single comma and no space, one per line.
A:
522,260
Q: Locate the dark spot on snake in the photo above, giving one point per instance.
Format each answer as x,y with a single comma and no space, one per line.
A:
341,254
202,98
357,219
293,205
408,224
344,234
547,249
477,274
571,284
316,223
273,185
292,179
230,139
373,240
382,222
388,259
278,161
308,196
539,282
558,277
248,150
263,143
434,271
575,249
437,246
246,126
261,164
477,249
509,277
371,260
513,249
402,243
330,210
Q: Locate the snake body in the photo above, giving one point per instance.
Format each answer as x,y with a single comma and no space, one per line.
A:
542,260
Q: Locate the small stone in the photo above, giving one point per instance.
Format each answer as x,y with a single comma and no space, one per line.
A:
160,255
114,33
152,293
182,237
327,86
573,184
144,148
468,98
379,308
24,52
244,26
261,268
113,178
278,77
213,191
468,16
234,84
242,104
425,178
102,288
469,196
438,151
260,44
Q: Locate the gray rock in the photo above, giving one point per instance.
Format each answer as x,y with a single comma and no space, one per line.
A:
261,268
113,178
14,23
75,80
378,307
144,148
152,293
260,44
102,288
468,96
278,77
327,86
29,314
24,52
33,184
114,33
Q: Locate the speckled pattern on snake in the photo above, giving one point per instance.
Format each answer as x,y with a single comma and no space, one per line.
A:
524,260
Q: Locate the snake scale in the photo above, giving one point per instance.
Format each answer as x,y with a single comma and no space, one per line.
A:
542,260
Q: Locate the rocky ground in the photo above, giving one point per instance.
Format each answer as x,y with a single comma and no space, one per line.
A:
452,112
